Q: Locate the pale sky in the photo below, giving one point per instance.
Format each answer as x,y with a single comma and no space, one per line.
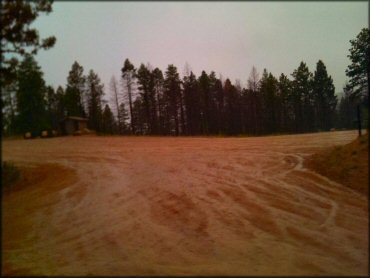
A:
226,37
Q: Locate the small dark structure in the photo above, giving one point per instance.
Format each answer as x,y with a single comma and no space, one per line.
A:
72,125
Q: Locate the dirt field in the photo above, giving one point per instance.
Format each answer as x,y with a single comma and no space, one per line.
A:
180,206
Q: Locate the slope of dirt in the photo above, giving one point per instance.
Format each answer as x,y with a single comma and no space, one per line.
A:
348,165
181,206
34,192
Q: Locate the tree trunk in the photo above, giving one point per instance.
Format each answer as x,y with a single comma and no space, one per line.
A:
359,120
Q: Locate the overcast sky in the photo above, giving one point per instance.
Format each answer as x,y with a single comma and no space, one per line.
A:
227,37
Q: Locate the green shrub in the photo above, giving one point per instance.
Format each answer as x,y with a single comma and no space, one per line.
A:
9,174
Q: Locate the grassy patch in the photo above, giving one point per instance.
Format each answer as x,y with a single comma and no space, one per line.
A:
9,174
348,165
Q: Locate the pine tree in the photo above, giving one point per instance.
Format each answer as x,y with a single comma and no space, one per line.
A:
192,104
245,125
359,70
302,99
74,93
219,94
52,107
94,95
214,87
325,100
17,36
346,111
31,104
60,103
359,74
268,88
172,92
138,113
286,111
108,123
145,81
204,90
232,112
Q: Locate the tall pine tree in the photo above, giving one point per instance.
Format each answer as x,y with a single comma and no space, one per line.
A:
172,92
31,102
17,35
302,99
74,94
94,96
325,100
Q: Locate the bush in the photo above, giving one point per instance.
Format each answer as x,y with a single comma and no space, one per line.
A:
9,173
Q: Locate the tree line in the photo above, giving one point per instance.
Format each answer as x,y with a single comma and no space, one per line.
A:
147,101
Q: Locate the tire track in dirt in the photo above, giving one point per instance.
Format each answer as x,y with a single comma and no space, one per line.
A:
208,206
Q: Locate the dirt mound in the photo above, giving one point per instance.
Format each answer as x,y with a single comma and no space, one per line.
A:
24,204
348,165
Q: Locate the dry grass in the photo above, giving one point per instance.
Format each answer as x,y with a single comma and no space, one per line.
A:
348,164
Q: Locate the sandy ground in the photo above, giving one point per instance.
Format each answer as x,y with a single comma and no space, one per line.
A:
181,206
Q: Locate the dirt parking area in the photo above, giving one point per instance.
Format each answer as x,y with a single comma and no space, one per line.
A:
180,206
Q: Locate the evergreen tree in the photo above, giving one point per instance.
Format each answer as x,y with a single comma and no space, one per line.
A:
270,109
302,99
239,108
214,87
359,74
74,93
52,107
232,112
346,111
192,104
31,97
60,99
359,70
108,123
219,94
138,112
325,100
204,90
154,120
146,90
244,104
17,36
172,92
286,111
94,96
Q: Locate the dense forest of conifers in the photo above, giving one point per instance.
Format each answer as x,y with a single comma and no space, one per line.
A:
147,101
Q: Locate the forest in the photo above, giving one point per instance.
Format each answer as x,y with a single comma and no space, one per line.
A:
146,101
